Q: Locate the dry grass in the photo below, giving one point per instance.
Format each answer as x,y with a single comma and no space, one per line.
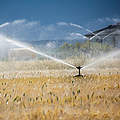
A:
65,97
44,90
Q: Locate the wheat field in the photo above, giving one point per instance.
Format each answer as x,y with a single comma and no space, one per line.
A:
51,94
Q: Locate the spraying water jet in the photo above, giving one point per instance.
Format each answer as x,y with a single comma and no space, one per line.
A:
22,46
81,27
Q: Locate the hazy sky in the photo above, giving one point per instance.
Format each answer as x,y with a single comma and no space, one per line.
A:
53,11
30,20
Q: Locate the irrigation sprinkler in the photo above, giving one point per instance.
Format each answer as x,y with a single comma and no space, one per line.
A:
79,68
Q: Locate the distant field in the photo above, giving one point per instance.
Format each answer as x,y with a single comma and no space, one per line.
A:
52,65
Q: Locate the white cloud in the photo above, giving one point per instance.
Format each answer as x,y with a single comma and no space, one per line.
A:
116,20
50,28
100,20
109,19
32,23
62,24
19,21
25,22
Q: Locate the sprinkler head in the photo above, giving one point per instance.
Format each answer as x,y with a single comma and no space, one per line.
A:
79,68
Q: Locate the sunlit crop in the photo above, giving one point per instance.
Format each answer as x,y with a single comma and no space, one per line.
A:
59,95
